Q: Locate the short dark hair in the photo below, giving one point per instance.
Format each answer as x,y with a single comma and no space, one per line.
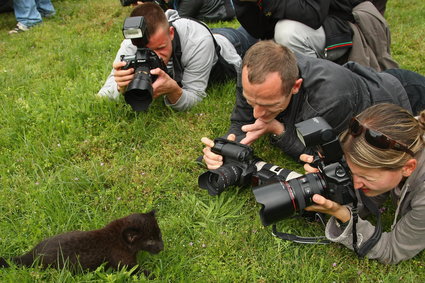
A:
153,15
266,57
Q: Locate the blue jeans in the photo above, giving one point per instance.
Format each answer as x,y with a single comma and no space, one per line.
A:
29,12
239,37
414,84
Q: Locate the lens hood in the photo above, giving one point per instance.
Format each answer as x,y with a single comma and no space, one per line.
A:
138,99
276,201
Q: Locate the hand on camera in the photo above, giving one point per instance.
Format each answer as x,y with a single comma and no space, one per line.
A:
212,160
122,77
165,85
323,204
329,207
260,128
308,159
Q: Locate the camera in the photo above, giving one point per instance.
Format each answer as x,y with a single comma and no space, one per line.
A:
139,90
161,3
283,198
240,168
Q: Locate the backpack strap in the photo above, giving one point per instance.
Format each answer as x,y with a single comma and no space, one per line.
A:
221,71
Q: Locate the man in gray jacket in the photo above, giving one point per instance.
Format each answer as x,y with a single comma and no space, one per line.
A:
279,88
190,52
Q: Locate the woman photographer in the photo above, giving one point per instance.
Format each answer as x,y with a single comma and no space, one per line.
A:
384,148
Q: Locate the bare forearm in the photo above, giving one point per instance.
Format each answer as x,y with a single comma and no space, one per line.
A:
174,95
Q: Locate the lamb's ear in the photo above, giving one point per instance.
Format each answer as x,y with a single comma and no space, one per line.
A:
130,235
153,212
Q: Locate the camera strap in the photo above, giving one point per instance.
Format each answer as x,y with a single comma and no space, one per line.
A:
371,242
360,251
319,240
298,239
177,55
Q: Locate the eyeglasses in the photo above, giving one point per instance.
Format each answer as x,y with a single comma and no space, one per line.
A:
375,138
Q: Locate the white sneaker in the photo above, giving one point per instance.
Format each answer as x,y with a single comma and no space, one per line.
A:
19,28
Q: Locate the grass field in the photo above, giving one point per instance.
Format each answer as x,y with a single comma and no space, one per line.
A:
72,161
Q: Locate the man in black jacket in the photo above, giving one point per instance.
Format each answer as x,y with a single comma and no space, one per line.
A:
317,28
205,10
281,88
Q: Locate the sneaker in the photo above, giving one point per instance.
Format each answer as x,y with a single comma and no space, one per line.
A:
19,28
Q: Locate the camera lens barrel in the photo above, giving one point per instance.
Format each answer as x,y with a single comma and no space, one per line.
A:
139,91
282,199
216,181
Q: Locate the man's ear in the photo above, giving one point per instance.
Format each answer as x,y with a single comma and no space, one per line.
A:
297,85
171,32
409,167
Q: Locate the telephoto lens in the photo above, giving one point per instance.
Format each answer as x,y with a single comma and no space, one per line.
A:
283,199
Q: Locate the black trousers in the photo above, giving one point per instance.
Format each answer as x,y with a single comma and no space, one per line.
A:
380,5
414,84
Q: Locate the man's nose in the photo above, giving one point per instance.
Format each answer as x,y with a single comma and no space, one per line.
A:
259,112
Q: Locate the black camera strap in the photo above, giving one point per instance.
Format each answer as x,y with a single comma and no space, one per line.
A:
298,239
371,242
360,251
177,55
320,240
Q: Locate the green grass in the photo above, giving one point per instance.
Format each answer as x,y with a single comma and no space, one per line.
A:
69,160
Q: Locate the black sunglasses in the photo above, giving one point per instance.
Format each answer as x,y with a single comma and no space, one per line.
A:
375,138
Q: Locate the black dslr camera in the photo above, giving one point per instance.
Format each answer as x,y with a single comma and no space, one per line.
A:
283,198
240,168
161,3
139,90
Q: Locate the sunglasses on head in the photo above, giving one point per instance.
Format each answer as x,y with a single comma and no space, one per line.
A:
375,138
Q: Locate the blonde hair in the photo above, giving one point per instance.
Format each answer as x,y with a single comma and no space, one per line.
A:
396,123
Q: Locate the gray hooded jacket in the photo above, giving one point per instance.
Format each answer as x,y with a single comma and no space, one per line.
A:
407,236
